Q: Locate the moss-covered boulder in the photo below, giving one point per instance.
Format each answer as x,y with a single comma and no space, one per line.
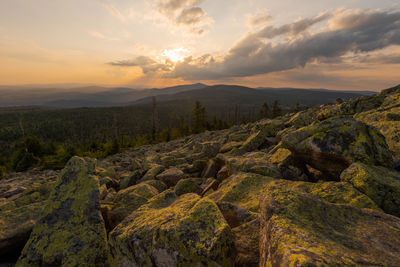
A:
387,120
171,176
298,229
255,162
151,174
170,231
255,141
190,185
23,199
332,192
242,189
128,200
382,185
332,145
70,231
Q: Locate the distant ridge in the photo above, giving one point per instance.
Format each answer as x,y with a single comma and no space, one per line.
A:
95,96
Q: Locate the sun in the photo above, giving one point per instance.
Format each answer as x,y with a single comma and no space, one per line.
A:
176,54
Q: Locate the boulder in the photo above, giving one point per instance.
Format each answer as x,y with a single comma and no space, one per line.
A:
382,185
298,229
171,176
190,185
152,172
332,145
254,141
23,200
130,179
254,162
70,230
242,189
160,186
128,200
387,120
184,231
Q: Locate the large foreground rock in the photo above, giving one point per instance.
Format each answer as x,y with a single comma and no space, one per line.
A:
70,231
173,231
298,229
332,145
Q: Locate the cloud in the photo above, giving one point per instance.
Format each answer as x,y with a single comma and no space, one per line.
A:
378,59
191,16
339,33
261,17
145,63
295,28
170,6
184,13
354,31
114,11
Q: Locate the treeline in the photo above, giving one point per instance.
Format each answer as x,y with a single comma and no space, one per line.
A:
55,144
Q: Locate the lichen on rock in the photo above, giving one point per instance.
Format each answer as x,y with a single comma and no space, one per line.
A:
188,232
382,185
70,231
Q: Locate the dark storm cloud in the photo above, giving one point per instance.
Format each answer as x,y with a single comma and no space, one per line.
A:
359,31
291,29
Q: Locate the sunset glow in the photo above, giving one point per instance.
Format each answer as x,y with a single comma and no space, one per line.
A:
150,43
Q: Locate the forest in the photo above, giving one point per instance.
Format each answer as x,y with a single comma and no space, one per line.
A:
48,138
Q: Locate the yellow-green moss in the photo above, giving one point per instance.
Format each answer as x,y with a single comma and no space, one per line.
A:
382,185
301,230
242,189
189,231
70,231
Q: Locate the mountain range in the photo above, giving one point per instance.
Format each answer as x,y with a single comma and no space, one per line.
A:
122,96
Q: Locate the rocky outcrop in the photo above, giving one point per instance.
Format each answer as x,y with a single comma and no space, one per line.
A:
70,231
317,188
298,229
174,231
332,145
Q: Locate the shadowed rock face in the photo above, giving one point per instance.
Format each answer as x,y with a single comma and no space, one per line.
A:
316,188
70,230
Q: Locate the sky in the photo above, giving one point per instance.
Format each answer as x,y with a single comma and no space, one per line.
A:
333,44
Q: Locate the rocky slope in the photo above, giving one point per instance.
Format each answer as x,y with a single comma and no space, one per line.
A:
316,188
